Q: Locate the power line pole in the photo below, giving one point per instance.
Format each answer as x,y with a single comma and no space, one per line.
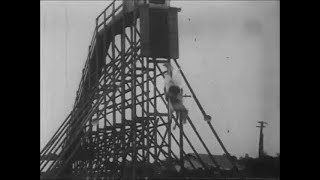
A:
261,137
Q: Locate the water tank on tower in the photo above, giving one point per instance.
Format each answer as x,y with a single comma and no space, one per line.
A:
159,3
158,26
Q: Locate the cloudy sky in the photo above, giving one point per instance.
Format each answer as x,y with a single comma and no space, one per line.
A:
229,51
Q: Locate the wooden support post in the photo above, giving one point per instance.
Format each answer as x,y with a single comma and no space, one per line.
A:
105,52
134,98
114,68
169,126
123,76
143,114
155,103
148,110
181,143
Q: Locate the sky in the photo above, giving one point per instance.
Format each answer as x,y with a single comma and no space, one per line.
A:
229,52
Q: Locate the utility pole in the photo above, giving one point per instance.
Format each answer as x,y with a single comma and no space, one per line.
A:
261,137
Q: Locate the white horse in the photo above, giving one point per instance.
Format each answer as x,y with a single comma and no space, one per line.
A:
173,94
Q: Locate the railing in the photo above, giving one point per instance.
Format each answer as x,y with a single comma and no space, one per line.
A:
105,21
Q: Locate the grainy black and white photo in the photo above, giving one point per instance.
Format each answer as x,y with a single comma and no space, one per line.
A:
159,89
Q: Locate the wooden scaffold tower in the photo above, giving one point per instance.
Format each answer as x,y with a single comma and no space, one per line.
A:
121,118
